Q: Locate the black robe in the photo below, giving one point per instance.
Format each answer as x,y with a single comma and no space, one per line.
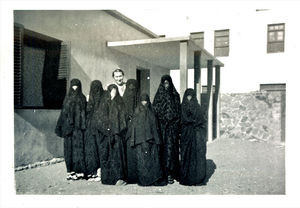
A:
193,141
130,98
91,142
145,143
71,125
167,108
113,127
99,124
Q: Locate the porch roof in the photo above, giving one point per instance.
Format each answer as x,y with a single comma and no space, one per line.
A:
164,52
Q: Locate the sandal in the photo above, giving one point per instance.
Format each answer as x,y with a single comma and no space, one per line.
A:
170,179
98,179
70,175
79,175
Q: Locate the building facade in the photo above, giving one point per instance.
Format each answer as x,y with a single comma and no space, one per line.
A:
53,47
44,40
256,45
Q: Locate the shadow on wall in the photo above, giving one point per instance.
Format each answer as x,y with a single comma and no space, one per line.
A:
78,72
35,139
122,61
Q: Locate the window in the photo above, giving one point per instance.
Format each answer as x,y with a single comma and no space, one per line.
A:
198,38
41,67
221,43
276,38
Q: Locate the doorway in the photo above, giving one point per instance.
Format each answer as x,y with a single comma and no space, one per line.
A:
143,80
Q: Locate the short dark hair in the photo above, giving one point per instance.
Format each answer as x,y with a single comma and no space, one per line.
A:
117,70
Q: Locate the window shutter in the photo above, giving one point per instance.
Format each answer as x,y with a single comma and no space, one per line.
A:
64,63
18,63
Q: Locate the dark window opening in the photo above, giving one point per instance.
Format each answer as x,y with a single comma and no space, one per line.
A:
143,80
40,70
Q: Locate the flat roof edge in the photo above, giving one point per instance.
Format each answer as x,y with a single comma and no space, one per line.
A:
131,23
146,41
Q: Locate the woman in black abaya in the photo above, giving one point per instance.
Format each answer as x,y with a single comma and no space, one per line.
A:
130,100
145,141
71,125
91,142
113,127
167,108
193,141
130,97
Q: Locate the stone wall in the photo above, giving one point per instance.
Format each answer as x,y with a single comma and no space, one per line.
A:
252,116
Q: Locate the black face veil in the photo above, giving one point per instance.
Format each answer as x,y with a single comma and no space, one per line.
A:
193,103
73,112
96,92
130,96
166,102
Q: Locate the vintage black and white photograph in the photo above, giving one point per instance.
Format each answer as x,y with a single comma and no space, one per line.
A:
163,100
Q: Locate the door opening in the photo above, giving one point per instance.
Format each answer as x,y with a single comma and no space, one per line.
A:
143,80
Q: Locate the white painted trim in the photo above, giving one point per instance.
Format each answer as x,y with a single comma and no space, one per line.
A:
146,41
166,40
131,23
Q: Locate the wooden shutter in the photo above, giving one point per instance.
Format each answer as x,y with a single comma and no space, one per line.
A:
18,64
64,63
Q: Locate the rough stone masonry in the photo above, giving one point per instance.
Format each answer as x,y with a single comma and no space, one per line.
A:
252,116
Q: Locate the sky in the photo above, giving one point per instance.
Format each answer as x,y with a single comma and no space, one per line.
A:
182,18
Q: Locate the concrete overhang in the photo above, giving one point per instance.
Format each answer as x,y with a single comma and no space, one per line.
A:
164,52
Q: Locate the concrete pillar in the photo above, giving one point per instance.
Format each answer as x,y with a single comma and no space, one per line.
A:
283,103
197,75
217,102
209,100
183,68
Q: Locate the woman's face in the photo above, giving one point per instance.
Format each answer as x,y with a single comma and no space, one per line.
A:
74,87
113,93
189,97
144,102
166,84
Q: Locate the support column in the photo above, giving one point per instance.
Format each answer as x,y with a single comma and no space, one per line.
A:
197,75
209,100
283,110
217,102
183,68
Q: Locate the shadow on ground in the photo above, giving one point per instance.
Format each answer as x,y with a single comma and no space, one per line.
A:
210,170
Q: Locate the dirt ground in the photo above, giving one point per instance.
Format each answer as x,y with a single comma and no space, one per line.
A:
234,167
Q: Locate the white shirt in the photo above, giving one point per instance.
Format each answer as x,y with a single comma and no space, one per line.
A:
121,89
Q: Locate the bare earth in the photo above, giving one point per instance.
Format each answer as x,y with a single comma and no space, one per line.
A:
234,167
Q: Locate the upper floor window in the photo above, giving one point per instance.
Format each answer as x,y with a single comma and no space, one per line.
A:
221,43
276,33
198,38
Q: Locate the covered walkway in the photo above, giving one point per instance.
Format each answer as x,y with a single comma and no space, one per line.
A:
181,53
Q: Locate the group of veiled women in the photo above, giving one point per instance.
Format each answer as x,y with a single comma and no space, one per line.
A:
131,140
